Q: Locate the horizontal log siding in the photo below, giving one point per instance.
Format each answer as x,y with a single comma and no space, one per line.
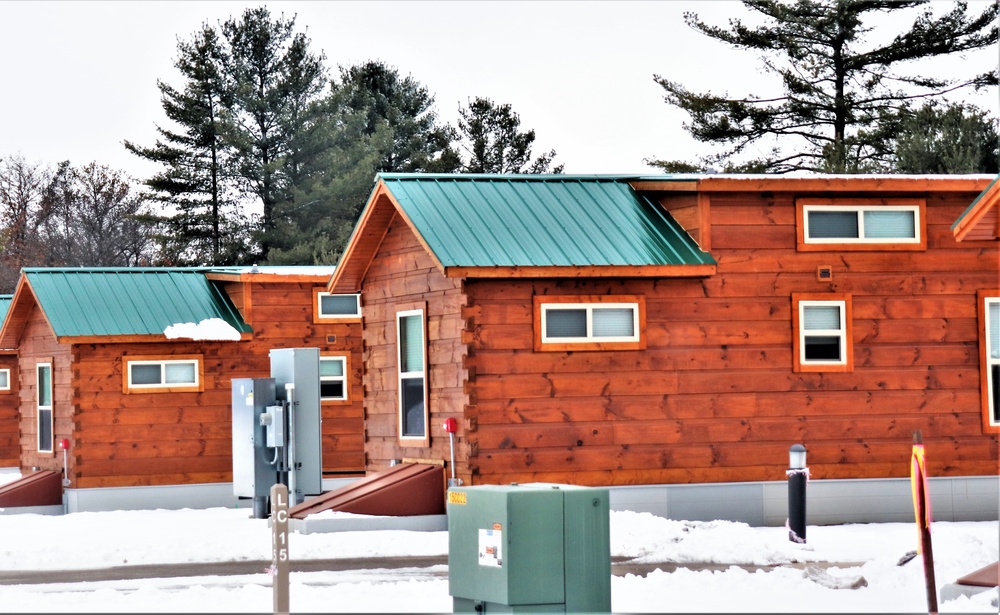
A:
401,273
183,438
714,397
10,445
38,343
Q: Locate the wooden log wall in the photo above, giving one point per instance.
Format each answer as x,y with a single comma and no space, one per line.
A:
37,346
403,273
183,438
714,398
282,317
10,444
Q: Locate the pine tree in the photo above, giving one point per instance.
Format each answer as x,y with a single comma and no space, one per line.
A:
944,139
380,96
275,83
837,90
492,138
201,224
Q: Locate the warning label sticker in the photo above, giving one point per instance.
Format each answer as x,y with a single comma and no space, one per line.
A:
490,548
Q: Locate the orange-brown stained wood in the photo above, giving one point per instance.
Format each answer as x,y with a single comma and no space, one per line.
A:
987,576
713,397
183,438
404,490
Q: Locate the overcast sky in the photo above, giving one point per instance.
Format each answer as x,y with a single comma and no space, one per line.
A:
79,77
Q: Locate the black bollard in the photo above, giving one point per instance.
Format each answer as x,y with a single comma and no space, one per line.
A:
798,473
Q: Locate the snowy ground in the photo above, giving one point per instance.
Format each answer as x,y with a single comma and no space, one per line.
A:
105,539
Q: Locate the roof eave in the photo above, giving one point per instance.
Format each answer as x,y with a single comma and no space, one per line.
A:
974,213
17,314
140,338
585,271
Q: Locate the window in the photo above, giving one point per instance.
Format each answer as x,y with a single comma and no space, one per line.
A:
44,382
411,344
171,375
860,224
333,378
989,310
589,323
4,379
336,307
822,333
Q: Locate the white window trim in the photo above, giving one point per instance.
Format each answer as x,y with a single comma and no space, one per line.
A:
163,384
411,375
342,378
589,307
861,239
840,333
991,361
49,408
319,306
7,372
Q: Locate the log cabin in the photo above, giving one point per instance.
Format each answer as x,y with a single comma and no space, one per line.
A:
132,368
645,333
10,449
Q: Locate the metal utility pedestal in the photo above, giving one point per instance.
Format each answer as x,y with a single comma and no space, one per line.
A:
531,548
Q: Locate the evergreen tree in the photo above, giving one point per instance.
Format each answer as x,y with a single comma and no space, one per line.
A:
202,226
253,127
492,138
942,138
417,143
837,90
276,115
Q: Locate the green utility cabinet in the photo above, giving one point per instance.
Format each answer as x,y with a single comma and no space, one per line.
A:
537,547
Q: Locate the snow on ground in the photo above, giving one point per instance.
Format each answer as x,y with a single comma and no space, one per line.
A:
121,538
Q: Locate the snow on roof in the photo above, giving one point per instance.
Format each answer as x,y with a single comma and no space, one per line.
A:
289,269
212,329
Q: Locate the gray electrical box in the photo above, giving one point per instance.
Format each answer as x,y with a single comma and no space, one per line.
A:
532,548
252,474
300,368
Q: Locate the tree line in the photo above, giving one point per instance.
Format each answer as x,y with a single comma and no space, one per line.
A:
266,158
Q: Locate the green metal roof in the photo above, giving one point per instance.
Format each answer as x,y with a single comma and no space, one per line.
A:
541,220
5,305
128,301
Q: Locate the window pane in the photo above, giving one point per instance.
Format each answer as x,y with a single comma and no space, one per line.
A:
411,339
614,322
995,371
44,385
338,305
833,224
331,367
993,322
45,430
180,373
413,406
824,317
331,389
566,323
4,379
892,224
822,348
144,373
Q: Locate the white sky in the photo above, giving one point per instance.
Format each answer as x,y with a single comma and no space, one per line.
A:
121,538
80,77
